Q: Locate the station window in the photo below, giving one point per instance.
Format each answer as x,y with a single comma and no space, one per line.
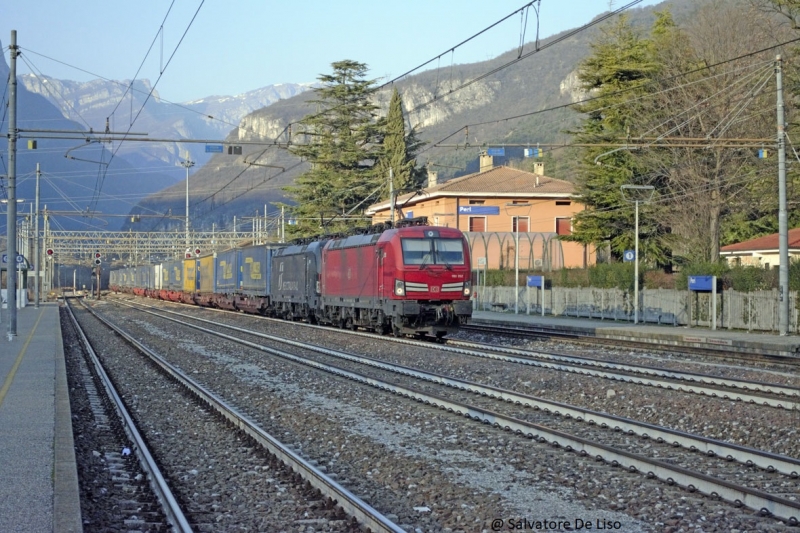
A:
520,224
477,224
564,226
477,202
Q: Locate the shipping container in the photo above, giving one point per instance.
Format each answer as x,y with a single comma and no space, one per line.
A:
227,272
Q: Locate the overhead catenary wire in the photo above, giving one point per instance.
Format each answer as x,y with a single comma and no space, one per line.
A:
619,92
636,87
146,55
135,90
153,88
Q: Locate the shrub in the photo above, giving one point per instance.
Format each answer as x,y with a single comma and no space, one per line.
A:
658,279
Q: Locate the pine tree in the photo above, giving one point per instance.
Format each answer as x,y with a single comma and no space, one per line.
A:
343,144
617,71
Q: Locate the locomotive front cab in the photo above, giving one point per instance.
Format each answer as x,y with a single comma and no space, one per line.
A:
429,277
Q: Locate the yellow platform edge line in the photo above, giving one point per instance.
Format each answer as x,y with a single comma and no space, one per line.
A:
13,372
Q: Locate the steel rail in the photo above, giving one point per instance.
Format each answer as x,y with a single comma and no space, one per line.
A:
693,481
771,462
349,502
504,354
718,350
771,388
159,485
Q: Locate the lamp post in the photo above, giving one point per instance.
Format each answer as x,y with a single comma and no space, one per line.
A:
187,163
12,284
627,191
516,255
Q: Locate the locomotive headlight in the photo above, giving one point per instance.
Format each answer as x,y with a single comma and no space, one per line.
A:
467,288
400,287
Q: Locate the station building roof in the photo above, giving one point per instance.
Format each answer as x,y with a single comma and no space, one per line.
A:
499,181
767,243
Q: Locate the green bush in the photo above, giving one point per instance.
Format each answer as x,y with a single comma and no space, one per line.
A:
620,276
614,276
570,277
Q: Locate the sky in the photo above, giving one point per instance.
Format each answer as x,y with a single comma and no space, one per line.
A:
228,47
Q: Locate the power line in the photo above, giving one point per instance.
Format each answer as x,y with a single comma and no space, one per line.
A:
146,55
504,66
153,88
621,91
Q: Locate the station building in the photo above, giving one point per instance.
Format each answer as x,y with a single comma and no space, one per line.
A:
508,215
762,251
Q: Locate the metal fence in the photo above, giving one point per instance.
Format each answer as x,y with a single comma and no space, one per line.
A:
751,311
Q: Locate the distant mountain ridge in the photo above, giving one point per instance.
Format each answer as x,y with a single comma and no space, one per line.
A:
213,117
73,171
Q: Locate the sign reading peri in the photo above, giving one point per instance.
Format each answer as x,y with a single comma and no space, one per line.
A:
478,210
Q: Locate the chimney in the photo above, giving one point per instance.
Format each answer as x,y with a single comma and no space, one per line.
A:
538,168
487,162
433,178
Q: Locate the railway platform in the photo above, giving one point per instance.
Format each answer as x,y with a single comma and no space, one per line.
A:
681,336
38,476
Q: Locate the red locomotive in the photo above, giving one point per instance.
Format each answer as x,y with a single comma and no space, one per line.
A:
410,279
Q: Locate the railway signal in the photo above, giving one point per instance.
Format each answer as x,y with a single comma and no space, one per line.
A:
49,252
97,259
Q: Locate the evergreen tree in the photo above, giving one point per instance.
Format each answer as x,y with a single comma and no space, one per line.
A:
399,149
343,144
614,75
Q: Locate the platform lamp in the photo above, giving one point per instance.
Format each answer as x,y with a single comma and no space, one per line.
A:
636,194
187,164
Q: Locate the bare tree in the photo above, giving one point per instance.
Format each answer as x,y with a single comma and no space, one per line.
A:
789,9
719,102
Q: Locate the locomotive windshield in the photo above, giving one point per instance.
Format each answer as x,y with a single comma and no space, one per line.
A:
433,251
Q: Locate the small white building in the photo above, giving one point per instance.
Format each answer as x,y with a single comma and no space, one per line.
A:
762,251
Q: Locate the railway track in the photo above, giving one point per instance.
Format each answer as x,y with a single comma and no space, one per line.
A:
762,393
303,472
734,473
544,333
132,505
738,390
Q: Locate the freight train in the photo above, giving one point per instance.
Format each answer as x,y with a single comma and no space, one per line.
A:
406,279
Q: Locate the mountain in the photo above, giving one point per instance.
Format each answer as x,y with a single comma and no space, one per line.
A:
227,186
72,170
122,103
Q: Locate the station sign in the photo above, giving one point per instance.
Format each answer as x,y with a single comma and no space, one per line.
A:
478,210
214,149
535,281
497,152
701,283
